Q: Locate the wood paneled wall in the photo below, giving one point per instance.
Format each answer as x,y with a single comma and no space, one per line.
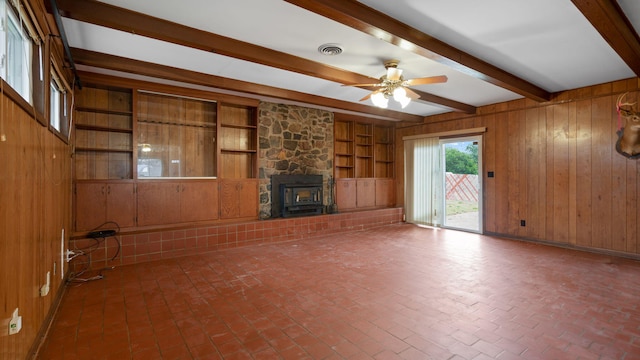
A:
35,193
181,132
555,166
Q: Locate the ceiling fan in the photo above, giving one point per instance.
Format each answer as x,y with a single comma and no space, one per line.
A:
394,85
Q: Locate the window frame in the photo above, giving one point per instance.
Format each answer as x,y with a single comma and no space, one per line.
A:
58,82
16,34
21,15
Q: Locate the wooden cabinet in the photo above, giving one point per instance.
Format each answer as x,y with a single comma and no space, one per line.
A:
365,193
103,133
162,157
171,202
354,194
238,198
158,203
385,193
97,202
237,141
199,200
346,194
364,163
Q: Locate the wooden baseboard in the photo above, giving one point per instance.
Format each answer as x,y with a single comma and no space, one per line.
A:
607,252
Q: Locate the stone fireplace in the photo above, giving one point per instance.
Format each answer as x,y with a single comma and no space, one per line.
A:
293,140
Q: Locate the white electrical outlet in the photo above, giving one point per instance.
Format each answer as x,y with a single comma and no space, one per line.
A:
44,290
15,324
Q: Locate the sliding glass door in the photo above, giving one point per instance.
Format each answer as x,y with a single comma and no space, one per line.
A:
461,181
443,182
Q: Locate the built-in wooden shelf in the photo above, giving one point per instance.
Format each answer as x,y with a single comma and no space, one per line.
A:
185,123
103,111
102,128
239,150
111,150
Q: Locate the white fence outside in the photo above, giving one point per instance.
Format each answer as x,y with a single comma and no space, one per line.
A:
462,187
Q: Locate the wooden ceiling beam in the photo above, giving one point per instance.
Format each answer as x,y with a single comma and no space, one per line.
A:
131,66
102,14
370,21
609,20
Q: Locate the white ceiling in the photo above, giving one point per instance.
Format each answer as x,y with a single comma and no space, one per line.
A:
548,43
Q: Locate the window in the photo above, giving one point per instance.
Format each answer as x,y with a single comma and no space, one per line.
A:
58,103
54,113
16,51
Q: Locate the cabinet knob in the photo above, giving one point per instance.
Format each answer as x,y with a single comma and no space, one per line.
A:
108,189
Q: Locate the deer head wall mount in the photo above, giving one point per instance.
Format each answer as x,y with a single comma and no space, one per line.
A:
628,143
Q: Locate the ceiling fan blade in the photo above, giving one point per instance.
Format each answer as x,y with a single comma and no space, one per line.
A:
366,97
393,73
361,85
411,94
426,80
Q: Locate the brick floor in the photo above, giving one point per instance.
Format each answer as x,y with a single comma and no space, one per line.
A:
395,292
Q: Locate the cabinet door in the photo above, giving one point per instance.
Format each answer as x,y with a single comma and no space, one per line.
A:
91,205
121,204
365,193
238,198
158,203
346,194
199,201
385,192
248,198
229,204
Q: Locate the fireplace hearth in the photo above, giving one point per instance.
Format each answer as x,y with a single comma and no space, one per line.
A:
296,195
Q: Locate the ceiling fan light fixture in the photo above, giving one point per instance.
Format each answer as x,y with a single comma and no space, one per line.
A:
145,147
380,100
404,102
399,94
393,84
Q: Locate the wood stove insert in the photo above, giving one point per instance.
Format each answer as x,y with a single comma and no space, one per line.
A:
296,195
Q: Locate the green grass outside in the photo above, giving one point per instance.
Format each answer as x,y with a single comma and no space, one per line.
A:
455,207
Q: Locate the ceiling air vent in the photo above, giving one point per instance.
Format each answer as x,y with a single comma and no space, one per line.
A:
330,49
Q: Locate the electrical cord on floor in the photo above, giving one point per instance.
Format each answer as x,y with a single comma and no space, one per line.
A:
99,235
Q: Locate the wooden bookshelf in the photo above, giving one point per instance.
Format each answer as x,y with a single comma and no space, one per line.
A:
103,133
364,150
237,141
384,151
364,164
344,149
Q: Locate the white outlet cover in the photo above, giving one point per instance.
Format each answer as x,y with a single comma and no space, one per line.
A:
15,324
44,290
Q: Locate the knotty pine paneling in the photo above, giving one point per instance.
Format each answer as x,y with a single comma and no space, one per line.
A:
555,166
35,193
